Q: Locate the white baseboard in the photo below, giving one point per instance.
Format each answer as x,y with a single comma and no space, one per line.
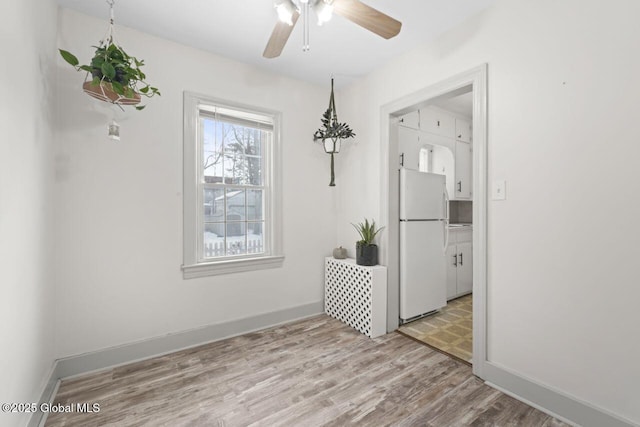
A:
47,395
555,403
146,349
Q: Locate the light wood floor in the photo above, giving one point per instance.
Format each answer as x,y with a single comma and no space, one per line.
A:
312,372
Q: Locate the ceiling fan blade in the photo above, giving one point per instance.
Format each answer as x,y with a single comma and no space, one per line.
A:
279,37
368,17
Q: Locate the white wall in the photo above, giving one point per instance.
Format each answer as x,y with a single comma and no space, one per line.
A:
27,41
563,91
119,205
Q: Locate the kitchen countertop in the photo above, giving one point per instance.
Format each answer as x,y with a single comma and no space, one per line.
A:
463,225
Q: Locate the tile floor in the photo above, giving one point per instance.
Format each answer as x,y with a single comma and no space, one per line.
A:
449,330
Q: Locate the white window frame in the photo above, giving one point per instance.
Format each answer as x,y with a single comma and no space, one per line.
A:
193,266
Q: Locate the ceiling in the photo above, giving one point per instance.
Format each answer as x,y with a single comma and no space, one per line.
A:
239,29
461,104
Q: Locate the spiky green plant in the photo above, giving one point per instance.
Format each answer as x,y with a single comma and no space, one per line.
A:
367,232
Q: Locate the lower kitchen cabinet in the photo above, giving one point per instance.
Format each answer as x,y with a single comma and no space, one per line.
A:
459,262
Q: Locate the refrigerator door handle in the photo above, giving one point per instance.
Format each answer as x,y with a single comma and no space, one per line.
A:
445,195
445,223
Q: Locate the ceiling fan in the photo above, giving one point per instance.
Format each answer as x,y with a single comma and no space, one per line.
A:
355,11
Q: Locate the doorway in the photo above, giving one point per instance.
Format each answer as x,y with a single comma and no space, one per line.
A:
439,138
475,80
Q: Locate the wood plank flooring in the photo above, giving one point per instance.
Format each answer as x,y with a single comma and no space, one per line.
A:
314,372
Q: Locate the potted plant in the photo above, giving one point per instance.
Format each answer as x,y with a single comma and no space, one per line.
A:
366,250
332,129
332,132
116,76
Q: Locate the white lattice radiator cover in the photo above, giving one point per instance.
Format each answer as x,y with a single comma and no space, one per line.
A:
356,295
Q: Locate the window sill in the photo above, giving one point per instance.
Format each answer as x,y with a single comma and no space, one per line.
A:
215,268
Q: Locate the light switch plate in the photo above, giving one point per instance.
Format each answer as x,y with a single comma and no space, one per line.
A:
499,190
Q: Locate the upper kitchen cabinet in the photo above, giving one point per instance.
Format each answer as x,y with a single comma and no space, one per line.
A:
409,147
443,162
441,145
410,120
463,130
437,121
463,174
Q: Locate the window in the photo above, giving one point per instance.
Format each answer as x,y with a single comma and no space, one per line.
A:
231,187
424,162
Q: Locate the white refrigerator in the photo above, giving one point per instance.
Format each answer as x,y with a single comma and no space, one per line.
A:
424,235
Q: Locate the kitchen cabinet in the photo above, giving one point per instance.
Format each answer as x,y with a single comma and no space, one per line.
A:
463,130
459,256
410,120
463,184
443,162
409,147
438,122
450,154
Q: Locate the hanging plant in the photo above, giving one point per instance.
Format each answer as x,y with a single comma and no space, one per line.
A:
332,132
116,76
331,129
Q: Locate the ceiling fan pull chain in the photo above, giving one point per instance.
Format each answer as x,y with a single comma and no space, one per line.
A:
305,22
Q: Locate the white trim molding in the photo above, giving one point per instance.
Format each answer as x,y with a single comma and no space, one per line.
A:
158,346
231,266
566,408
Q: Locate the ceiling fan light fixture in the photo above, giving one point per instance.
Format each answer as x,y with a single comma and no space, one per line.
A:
324,10
355,11
285,10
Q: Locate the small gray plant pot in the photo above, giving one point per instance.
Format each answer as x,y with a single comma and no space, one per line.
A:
366,254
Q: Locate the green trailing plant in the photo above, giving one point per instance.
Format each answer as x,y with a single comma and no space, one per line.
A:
112,64
367,232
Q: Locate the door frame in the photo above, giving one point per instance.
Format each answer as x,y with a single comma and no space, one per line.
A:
389,209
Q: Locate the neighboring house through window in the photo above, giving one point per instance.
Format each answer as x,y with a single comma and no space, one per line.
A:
231,187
